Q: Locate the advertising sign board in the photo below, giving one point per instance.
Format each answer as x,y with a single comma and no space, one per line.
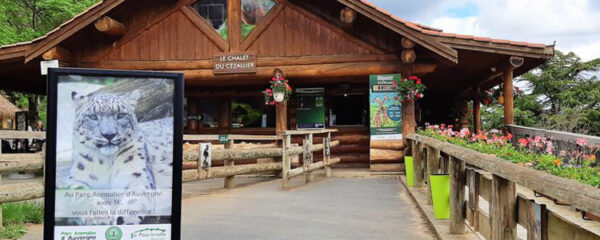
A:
114,155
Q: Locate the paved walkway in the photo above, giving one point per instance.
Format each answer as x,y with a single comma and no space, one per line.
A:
329,209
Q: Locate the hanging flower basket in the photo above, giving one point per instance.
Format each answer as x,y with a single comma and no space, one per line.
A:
410,89
279,91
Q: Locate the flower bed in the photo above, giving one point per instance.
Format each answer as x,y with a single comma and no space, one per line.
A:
537,152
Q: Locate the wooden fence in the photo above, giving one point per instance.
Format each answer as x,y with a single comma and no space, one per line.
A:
34,162
493,195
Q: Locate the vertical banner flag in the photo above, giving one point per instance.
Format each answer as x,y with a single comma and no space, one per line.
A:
385,107
113,161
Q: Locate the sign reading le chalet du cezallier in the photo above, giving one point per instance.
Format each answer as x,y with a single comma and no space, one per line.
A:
235,63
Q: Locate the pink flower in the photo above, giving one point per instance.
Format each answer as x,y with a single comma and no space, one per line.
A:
269,90
395,83
582,141
272,103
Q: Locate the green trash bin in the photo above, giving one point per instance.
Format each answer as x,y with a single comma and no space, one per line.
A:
440,193
410,171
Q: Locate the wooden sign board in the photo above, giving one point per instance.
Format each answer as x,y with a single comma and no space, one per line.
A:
227,63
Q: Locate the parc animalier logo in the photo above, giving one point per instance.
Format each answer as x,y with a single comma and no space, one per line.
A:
113,233
150,233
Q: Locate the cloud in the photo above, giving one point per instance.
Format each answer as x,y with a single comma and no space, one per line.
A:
573,24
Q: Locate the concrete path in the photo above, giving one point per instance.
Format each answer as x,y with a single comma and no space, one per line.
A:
328,209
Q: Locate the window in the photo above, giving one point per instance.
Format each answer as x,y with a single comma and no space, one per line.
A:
251,112
215,12
348,109
253,11
209,113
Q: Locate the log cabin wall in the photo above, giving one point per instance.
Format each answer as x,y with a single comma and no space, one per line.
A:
174,37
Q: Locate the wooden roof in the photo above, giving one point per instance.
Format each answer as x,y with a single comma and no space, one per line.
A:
20,61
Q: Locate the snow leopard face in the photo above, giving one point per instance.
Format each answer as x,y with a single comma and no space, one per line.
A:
105,122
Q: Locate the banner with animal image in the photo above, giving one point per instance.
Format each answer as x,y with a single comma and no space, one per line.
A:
385,107
114,155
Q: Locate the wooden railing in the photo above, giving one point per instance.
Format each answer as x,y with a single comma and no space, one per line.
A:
308,148
507,190
282,156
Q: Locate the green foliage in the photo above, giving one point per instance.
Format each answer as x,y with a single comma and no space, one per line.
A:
24,20
15,215
562,95
13,231
22,212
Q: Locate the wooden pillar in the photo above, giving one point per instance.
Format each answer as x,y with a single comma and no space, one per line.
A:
409,123
476,115
286,161
433,156
224,114
327,158
230,180
192,110
503,209
309,174
473,199
281,117
234,25
508,96
457,196
418,163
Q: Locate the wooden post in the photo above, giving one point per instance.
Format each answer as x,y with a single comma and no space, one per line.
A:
285,161
503,209
418,163
476,115
309,174
327,158
281,117
433,156
409,123
457,196
229,181
508,96
474,199
533,232
234,25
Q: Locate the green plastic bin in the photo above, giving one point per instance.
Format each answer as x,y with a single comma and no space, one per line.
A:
410,171
440,193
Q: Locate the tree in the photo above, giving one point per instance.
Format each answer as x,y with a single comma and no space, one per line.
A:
24,20
562,95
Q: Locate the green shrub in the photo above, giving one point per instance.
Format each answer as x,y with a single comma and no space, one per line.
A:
23,212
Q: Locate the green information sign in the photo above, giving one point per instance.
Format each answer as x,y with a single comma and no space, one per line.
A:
223,139
385,107
311,107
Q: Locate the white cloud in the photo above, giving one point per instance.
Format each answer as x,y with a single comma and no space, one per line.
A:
573,24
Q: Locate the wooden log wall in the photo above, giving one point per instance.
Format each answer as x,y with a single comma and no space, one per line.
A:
508,191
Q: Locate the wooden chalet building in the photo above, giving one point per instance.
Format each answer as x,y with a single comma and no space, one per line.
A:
329,47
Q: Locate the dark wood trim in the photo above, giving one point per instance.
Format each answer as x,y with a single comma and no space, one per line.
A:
262,26
261,62
336,29
385,20
205,28
64,31
498,48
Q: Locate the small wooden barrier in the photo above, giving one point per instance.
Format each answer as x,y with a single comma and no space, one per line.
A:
507,190
308,148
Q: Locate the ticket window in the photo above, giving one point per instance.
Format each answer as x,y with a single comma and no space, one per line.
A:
349,109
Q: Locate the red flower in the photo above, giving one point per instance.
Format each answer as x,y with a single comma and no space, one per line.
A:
523,142
269,90
289,88
395,83
419,82
272,103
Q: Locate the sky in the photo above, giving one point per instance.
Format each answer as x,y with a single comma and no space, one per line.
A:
573,24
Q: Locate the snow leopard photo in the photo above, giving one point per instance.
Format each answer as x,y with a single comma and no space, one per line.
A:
114,150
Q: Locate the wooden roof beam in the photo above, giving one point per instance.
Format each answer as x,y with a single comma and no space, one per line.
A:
58,53
110,26
495,77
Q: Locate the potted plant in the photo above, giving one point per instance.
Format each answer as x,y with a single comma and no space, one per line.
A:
279,91
410,89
